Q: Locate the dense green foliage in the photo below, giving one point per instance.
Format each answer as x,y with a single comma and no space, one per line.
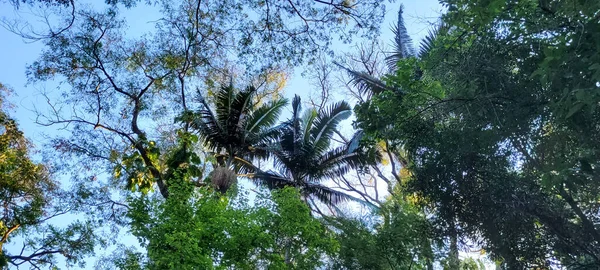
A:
199,229
401,241
499,119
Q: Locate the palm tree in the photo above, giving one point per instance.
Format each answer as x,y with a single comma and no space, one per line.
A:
403,48
304,156
236,131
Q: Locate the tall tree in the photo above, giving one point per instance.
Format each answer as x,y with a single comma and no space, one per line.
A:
381,95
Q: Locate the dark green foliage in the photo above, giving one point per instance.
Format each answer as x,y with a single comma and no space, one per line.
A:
401,241
500,128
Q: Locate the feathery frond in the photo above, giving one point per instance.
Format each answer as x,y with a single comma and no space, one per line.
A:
365,83
327,122
428,43
403,46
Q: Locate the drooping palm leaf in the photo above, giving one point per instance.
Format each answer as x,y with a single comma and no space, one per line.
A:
327,122
223,103
327,195
207,124
272,180
307,123
364,82
295,121
339,161
354,142
237,113
266,116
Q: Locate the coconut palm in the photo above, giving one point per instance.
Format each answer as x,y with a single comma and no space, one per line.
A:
236,130
304,156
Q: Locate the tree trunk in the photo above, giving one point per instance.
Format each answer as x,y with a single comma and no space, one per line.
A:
453,261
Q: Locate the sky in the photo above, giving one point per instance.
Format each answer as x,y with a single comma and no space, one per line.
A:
16,54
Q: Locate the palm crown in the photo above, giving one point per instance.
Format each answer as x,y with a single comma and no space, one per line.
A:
304,158
238,127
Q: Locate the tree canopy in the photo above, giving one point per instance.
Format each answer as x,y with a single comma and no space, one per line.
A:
483,139
498,114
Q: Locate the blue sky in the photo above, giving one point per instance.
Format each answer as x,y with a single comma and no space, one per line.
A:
15,55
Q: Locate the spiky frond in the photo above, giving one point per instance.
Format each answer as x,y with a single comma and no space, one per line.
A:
354,142
307,124
272,180
238,128
326,195
403,46
266,116
428,43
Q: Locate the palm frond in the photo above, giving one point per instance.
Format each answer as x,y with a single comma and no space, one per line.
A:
265,116
272,180
267,135
428,43
354,142
223,103
327,122
207,124
302,154
241,107
403,46
295,121
338,162
307,124
287,142
263,145
327,195
244,166
365,83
